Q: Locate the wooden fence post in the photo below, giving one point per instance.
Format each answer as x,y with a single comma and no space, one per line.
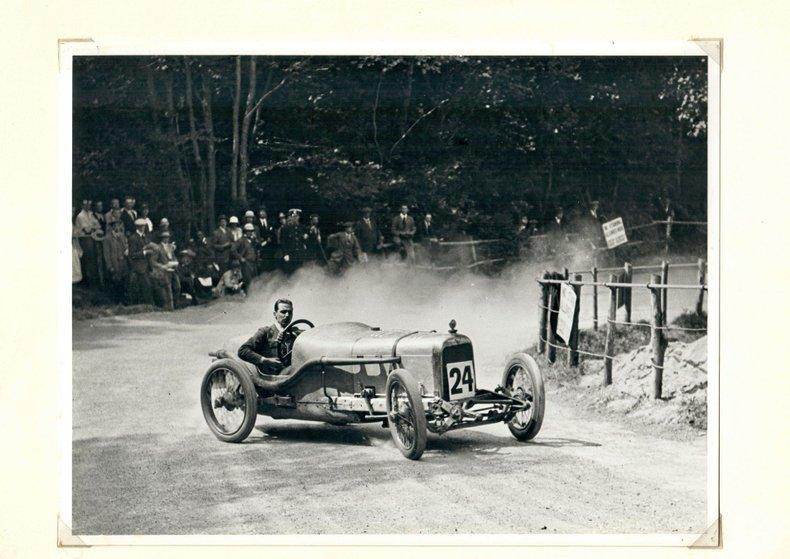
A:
664,292
573,342
701,279
595,297
629,274
544,314
668,237
551,349
565,273
658,342
609,344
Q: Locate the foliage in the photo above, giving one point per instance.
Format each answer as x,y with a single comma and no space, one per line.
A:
488,135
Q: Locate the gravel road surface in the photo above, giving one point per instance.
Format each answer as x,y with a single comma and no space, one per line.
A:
144,462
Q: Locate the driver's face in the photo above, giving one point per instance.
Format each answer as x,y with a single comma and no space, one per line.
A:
283,314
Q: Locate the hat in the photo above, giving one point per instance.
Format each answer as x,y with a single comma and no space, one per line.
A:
367,209
249,213
345,224
163,234
221,217
188,252
140,221
249,227
313,215
234,219
164,221
294,211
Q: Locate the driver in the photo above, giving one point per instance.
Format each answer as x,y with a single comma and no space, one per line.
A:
261,348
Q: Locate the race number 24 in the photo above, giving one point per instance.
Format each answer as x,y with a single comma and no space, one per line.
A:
461,379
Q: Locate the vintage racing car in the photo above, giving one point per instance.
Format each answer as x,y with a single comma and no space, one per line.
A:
349,372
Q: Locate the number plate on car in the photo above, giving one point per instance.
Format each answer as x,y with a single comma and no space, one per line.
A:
460,379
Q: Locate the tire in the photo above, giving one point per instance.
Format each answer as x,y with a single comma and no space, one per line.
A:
407,423
525,427
239,395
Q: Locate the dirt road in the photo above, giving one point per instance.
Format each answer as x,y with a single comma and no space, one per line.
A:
144,461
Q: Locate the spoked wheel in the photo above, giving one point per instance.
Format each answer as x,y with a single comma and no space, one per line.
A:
522,380
406,414
229,401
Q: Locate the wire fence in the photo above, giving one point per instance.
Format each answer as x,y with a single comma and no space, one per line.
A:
556,314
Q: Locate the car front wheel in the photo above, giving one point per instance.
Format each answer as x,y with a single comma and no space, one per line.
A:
229,401
522,380
406,414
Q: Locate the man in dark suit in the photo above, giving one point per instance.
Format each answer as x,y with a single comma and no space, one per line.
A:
344,249
425,229
403,230
367,232
221,242
293,239
128,215
138,289
264,232
243,250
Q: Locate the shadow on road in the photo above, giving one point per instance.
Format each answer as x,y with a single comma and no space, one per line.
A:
359,435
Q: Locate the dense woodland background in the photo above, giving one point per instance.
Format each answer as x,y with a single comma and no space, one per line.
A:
198,136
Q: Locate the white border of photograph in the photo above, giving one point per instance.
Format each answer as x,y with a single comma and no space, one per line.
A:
707,48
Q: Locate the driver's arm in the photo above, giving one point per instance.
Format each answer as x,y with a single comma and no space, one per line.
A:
251,351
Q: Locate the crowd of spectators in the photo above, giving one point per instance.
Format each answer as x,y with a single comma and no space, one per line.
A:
136,261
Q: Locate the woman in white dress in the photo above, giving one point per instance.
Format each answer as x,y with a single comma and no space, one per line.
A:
76,253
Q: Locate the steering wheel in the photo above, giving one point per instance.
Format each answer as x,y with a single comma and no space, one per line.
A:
287,338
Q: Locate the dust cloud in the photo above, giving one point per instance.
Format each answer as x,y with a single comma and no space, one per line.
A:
499,314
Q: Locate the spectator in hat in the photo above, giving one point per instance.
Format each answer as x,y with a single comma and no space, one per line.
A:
315,246
87,228
231,281
221,242
293,238
344,249
113,214
164,279
266,241
187,278
207,271
164,225
367,232
138,290
282,219
128,216
403,230
149,225
244,251
76,252
235,228
116,251
98,213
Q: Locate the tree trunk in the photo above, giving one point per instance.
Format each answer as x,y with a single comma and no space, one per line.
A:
245,132
201,168
679,160
170,138
185,185
234,164
211,156
407,98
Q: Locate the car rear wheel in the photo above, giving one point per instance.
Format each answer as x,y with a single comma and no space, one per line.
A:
522,380
406,414
229,401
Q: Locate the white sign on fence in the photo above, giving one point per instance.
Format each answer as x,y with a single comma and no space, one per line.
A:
614,231
567,310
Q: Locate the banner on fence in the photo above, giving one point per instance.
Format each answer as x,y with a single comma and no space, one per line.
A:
614,232
567,310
